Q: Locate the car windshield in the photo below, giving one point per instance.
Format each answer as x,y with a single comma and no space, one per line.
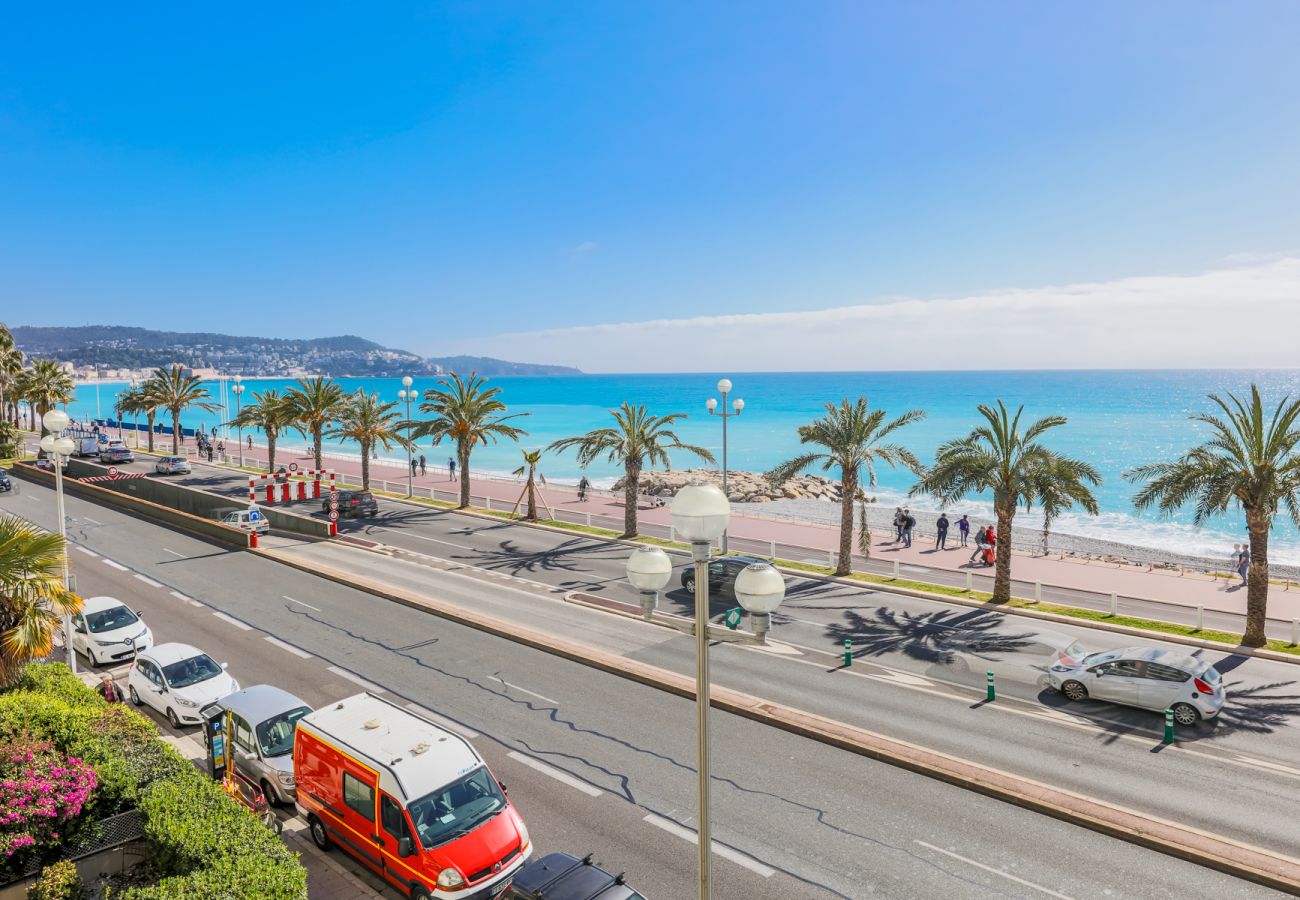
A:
191,671
1093,659
110,619
456,809
275,735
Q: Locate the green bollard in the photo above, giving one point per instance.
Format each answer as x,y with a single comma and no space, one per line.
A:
848,653
992,693
1169,726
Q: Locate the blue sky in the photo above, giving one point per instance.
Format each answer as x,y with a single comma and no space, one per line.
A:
433,175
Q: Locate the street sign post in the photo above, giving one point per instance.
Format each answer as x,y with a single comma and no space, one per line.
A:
334,515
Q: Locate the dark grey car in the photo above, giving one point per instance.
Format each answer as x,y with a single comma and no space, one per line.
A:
722,574
353,504
562,876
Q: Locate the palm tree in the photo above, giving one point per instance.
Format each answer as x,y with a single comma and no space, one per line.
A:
1250,460
173,390
467,412
33,597
148,399
11,365
366,420
1019,470
270,412
637,439
47,387
8,439
316,402
531,459
852,435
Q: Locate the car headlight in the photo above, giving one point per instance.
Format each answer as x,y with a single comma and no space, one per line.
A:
99,643
181,701
286,779
523,834
450,878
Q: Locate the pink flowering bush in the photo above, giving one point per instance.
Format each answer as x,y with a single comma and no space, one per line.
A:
41,791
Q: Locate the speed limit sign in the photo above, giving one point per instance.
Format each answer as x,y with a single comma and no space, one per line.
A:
334,515
112,471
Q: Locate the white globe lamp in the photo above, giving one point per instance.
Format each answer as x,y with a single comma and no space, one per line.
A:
64,446
55,420
724,386
700,513
760,589
649,570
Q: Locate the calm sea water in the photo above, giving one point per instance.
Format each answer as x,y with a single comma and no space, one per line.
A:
1117,419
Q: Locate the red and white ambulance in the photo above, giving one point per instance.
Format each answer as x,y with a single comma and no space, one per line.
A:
412,801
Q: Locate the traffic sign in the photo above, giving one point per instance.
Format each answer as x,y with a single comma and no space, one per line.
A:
293,467
334,515
733,618
334,507
254,515
112,471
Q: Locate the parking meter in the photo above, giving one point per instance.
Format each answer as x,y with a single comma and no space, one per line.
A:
216,739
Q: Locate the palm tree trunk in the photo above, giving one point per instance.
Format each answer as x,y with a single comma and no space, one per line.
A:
316,436
176,432
151,414
532,497
462,451
1002,567
848,491
631,491
365,464
1256,579
270,450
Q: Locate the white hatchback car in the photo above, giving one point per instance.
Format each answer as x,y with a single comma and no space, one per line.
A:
176,680
107,630
172,465
1145,677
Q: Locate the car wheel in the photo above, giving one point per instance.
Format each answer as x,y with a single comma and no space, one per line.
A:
319,835
172,718
135,698
689,584
272,796
420,892
1185,714
1075,691
90,655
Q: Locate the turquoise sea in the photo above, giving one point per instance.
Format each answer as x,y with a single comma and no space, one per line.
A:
1117,419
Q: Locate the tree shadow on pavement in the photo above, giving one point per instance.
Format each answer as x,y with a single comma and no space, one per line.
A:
934,637
568,556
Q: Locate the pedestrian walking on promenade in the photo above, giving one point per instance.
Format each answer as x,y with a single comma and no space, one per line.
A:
583,486
979,544
1243,563
210,453
963,527
898,524
941,532
214,432
909,522
414,466
451,468
250,442
422,464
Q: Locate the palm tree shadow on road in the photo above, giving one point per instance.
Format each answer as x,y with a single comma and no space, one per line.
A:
935,637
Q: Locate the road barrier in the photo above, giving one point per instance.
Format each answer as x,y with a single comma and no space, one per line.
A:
1169,726
991,693
848,653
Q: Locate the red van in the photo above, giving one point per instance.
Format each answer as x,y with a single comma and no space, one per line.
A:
410,800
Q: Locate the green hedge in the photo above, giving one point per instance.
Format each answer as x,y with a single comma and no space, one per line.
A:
203,842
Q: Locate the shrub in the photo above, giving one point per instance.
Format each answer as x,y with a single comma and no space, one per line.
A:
59,881
41,791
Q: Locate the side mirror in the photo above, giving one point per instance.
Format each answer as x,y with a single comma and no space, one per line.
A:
225,665
405,847
79,628
504,790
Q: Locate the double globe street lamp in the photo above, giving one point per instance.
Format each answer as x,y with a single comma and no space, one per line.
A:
700,513
238,389
724,388
407,395
60,448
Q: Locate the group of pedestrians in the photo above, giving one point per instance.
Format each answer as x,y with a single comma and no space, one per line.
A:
210,446
905,523
1241,558
419,465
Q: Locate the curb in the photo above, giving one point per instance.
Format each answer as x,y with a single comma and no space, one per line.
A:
1240,860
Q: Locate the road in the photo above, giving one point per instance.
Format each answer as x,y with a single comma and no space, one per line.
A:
826,823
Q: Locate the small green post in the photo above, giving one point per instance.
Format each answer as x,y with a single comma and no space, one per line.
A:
848,653
1169,726
992,693
733,618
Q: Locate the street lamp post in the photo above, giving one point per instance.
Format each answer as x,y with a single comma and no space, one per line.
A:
724,388
700,513
759,588
60,448
649,569
408,395
237,388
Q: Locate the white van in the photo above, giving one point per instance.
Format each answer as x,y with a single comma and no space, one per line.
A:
250,519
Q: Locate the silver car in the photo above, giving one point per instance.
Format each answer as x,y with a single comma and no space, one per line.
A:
172,465
1147,678
262,724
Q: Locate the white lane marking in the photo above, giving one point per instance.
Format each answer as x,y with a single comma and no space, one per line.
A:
179,596
147,580
356,679
722,850
897,677
442,721
87,551
116,565
194,603
431,540
91,521
1265,764
557,774
289,647
300,603
979,865
233,621
174,553
516,687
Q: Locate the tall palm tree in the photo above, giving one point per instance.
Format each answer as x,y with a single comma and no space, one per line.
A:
637,439
130,402
150,400
469,413
316,403
11,365
173,390
271,412
852,436
368,421
21,389
1016,468
8,439
531,459
1250,460
33,597
47,387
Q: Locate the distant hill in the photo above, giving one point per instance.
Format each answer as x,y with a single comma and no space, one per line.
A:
121,347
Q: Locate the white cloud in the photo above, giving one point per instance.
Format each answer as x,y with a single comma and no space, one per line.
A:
1245,316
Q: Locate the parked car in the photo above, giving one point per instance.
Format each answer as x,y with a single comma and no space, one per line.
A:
562,876
261,722
6,483
176,680
722,574
354,504
87,445
412,800
107,630
1147,678
172,465
116,452
250,519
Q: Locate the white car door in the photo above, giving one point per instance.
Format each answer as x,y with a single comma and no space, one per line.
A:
1116,681
1162,687
80,639
153,687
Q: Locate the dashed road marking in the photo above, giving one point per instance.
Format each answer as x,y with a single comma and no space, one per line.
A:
1007,875
147,580
515,687
442,721
300,603
356,679
174,553
552,772
179,596
233,621
722,850
91,521
87,551
289,647
116,565
431,540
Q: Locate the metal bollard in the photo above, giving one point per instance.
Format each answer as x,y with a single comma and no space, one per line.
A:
992,693
1200,618
1169,726
772,548
970,582
1038,592
1114,603
252,540
672,532
1295,632
830,557
895,568
588,520
848,653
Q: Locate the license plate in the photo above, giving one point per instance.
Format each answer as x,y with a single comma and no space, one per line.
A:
499,889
